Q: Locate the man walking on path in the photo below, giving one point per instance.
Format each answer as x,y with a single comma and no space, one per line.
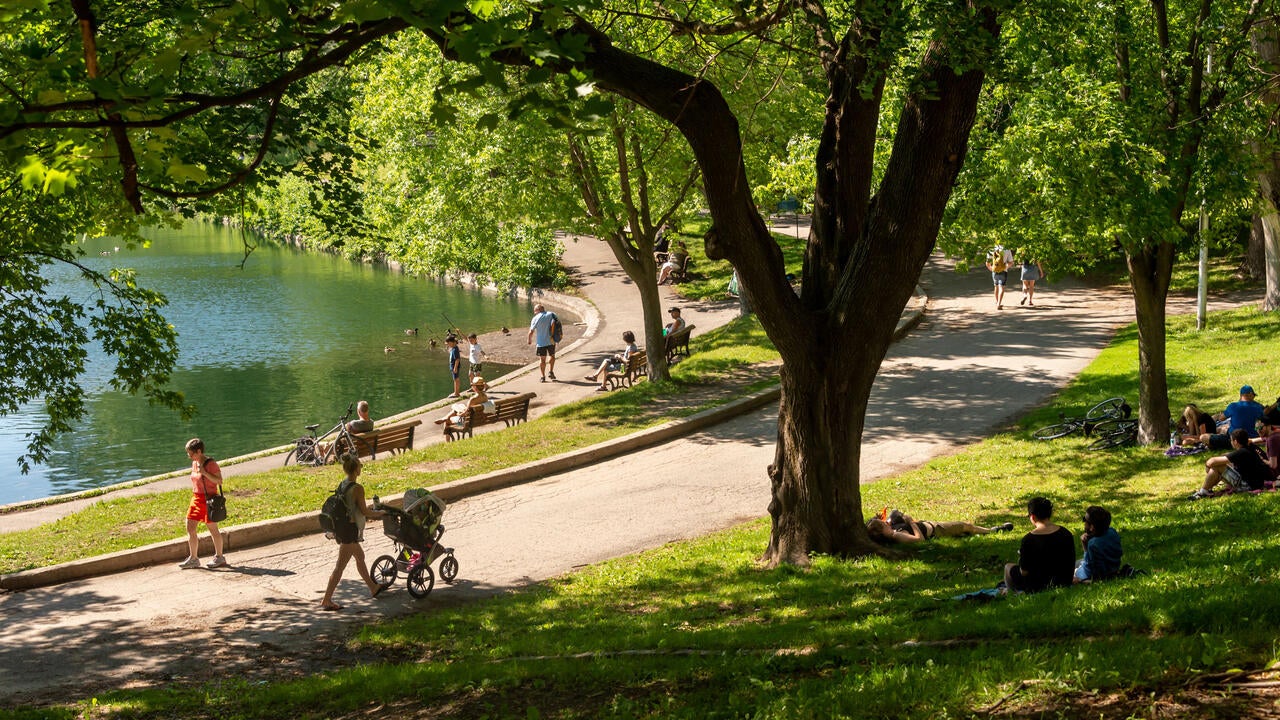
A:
540,329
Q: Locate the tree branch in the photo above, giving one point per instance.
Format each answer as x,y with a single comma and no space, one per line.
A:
240,176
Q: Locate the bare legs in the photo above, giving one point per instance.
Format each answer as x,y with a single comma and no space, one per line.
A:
345,553
193,539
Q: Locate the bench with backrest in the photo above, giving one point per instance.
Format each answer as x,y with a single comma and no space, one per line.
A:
509,410
637,366
389,439
679,260
678,344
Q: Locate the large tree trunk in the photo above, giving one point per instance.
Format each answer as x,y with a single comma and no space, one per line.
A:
1271,248
1266,42
864,254
1149,276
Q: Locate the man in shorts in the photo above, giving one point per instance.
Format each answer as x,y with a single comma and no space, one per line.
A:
1241,415
1242,468
998,262
540,330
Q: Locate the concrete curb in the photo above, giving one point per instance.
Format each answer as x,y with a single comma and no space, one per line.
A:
268,531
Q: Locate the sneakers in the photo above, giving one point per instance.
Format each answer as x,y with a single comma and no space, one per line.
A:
1199,495
189,564
544,379
551,376
217,562
1005,527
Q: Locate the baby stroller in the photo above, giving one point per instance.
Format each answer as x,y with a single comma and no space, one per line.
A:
416,531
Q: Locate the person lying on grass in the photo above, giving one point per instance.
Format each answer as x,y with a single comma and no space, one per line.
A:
1241,469
903,529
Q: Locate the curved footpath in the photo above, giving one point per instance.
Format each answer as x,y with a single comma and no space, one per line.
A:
964,371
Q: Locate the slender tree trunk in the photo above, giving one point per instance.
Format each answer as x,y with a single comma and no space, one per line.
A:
1149,276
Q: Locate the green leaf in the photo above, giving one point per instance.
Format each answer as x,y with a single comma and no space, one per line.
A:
187,173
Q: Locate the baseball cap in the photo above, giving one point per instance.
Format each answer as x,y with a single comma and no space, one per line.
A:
1246,390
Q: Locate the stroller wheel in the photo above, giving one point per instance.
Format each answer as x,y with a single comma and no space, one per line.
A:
421,580
449,569
383,571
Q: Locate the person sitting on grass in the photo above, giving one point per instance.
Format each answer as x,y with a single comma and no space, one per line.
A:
615,362
1047,557
1240,415
903,529
1194,423
1241,469
1101,543
1269,432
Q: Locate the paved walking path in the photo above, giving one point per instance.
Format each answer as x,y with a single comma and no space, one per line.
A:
967,369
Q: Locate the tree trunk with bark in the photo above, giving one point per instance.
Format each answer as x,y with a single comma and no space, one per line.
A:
1150,272
865,253
1266,42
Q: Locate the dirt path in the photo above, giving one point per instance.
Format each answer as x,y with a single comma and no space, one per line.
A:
967,363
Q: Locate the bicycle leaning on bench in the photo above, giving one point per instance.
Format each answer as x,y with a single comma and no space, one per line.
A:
1108,423
323,449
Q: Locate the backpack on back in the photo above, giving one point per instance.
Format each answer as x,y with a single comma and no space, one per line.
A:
998,263
335,516
557,329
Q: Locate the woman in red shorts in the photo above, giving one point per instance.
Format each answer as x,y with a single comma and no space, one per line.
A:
206,476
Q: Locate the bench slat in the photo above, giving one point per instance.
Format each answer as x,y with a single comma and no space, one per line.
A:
510,410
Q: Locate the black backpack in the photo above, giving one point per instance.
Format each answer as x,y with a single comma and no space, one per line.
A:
335,516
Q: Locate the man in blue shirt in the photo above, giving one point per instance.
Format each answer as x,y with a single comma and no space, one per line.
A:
540,329
1243,414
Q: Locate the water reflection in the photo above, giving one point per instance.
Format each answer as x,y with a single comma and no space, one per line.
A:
288,340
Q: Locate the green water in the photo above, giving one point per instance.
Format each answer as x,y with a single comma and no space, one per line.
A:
290,339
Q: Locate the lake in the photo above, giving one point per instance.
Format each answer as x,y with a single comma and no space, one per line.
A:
289,340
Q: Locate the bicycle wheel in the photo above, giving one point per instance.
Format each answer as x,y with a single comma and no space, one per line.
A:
1113,426
1113,440
1053,432
421,580
383,571
1109,408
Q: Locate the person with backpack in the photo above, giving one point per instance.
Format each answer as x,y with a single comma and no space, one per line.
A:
206,480
544,327
998,262
1032,271
347,530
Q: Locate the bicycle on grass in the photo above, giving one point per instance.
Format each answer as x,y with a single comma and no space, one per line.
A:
1105,420
323,449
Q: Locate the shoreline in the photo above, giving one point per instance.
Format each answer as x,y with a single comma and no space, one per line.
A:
502,348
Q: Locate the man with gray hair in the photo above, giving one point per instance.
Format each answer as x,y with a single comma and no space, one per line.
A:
540,330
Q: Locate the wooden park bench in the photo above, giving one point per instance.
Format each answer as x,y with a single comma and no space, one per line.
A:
389,439
681,261
678,344
637,365
510,410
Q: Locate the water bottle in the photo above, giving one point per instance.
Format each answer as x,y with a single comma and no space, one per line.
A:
1174,439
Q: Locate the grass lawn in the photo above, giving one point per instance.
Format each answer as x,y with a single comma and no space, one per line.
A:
697,629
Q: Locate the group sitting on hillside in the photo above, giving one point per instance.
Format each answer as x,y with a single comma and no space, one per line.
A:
1248,431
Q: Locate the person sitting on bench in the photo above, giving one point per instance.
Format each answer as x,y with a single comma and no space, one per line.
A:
616,362
458,411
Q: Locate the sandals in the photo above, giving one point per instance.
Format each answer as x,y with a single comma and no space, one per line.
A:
333,606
